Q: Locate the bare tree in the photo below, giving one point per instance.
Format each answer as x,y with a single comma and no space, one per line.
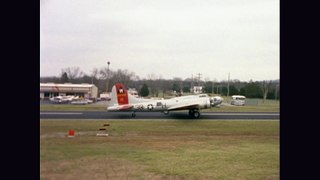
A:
103,73
73,72
94,74
119,76
152,76
265,87
155,83
64,78
123,76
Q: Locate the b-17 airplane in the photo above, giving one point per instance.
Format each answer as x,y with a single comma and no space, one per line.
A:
121,100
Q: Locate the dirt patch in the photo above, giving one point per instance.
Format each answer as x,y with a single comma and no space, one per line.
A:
273,177
167,144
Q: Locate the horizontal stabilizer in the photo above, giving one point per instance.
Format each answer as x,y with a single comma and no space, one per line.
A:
125,107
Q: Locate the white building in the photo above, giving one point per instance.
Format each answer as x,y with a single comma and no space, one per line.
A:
196,89
133,92
48,90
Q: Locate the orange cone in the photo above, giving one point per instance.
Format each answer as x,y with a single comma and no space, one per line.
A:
71,133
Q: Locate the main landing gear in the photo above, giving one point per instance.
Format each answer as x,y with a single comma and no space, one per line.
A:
194,113
166,112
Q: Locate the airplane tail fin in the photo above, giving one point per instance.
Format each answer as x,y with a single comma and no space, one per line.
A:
120,96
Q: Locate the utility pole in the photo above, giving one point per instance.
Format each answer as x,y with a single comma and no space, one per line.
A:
275,94
199,77
191,83
228,84
107,84
212,88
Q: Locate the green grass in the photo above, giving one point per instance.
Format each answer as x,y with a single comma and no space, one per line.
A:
72,107
266,107
160,149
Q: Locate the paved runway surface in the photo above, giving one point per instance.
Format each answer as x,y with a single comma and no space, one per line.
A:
156,115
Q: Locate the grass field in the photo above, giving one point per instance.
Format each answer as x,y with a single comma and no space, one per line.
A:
159,149
71,107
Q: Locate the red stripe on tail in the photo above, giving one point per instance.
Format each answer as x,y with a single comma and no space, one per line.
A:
122,94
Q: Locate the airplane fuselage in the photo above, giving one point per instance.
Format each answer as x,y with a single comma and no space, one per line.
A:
165,104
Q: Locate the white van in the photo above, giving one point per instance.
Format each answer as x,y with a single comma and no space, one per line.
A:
238,100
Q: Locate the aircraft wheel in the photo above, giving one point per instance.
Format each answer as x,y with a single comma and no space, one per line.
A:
166,112
196,114
191,112
133,115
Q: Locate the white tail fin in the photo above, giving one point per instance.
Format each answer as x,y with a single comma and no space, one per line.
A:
120,96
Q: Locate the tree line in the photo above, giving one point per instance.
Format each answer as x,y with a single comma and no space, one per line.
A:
156,85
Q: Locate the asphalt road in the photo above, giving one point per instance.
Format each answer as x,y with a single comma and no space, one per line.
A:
156,115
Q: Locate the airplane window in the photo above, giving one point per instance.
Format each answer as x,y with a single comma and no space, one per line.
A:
159,104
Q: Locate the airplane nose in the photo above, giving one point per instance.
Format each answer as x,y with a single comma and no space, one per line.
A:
215,101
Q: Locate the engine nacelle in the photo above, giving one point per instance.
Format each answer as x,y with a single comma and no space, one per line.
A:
216,100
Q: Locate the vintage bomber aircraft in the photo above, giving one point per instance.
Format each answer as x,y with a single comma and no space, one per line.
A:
121,100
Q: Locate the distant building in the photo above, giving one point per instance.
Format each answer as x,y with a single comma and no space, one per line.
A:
48,90
133,92
196,89
105,96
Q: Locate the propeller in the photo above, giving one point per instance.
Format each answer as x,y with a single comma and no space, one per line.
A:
215,101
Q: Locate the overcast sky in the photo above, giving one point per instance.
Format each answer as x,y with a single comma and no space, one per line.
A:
171,38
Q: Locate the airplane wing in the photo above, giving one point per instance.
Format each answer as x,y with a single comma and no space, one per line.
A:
184,106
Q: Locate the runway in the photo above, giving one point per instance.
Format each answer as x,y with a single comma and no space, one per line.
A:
158,115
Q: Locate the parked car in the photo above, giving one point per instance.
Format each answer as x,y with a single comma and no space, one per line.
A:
80,101
238,100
